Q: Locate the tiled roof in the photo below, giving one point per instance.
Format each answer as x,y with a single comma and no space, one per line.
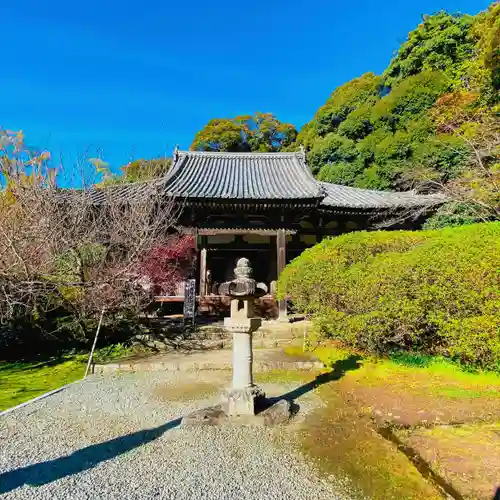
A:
242,176
356,198
133,192
251,177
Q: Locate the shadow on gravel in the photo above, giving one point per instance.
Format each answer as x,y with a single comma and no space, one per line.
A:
81,460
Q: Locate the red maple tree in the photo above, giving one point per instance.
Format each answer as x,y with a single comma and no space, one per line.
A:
167,264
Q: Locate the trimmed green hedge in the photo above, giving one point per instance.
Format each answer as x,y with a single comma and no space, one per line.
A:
436,292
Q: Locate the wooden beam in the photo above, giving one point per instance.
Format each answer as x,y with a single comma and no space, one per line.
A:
281,263
242,231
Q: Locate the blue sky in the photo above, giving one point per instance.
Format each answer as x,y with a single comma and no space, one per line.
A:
133,80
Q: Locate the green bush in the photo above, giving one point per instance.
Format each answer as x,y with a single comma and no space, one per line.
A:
454,214
435,292
332,148
340,173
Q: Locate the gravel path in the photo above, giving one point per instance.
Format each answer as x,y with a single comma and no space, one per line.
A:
118,438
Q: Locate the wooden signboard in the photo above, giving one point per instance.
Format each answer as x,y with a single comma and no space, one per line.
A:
190,300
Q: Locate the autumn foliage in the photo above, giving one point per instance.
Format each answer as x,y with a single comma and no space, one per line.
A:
165,265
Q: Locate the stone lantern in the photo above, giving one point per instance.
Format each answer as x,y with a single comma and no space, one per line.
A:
244,397
244,401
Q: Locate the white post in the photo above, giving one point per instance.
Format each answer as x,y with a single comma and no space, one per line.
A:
203,272
281,263
94,344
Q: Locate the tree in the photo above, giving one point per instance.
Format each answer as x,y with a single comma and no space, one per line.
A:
409,98
358,123
474,131
443,42
63,259
484,69
332,148
340,173
135,171
260,132
360,92
143,170
387,119
221,135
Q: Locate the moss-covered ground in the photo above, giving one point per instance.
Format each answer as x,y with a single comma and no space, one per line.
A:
421,405
448,417
24,380
20,382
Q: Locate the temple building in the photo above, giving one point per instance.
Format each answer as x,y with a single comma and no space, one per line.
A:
268,207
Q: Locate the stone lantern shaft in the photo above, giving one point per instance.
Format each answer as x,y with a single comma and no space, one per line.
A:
244,396
242,360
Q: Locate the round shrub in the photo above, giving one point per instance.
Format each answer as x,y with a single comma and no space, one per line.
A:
433,291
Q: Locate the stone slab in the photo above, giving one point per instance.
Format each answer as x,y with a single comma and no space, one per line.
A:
265,360
245,401
213,415
279,413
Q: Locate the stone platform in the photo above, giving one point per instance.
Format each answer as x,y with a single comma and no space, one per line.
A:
271,334
264,360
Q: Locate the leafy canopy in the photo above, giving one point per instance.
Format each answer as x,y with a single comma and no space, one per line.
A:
260,132
431,121
135,171
435,292
441,42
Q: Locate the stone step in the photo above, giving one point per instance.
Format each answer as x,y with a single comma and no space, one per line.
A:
265,360
269,335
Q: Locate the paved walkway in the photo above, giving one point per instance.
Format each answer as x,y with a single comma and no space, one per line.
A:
117,437
213,359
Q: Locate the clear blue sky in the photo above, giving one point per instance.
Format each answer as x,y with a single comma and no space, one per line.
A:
134,79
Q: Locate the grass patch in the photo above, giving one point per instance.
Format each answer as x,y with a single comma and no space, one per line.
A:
467,456
283,376
405,389
463,393
342,441
20,382
405,364
412,359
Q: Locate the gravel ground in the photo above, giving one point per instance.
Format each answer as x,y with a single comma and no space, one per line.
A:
118,438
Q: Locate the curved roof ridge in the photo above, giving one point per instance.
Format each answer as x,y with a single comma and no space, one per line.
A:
242,175
252,154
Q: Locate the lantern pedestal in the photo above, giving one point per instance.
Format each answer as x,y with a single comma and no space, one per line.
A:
243,400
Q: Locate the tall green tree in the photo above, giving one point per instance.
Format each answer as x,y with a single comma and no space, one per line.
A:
441,42
134,171
141,170
427,122
258,132
484,69
360,92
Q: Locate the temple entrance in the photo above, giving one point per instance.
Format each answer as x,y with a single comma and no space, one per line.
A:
220,249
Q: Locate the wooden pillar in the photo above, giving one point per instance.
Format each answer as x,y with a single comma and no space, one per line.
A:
281,263
203,271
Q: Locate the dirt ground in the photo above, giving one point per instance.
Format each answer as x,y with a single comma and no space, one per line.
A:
408,433
467,456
